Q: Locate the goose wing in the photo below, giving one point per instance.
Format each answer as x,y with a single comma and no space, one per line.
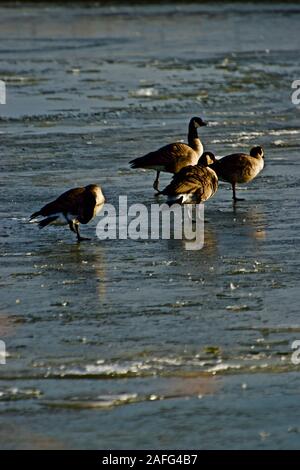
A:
231,165
190,179
66,202
208,185
165,158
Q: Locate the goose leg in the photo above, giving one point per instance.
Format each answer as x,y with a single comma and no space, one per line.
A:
156,182
79,237
235,199
199,215
71,225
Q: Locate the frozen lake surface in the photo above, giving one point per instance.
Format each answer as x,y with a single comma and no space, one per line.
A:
126,344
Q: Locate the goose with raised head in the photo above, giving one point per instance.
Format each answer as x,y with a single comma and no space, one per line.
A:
173,157
239,168
194,183
74,207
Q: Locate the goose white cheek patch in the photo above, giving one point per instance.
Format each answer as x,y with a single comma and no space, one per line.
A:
159,221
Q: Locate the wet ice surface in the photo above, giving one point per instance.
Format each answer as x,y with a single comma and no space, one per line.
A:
143,344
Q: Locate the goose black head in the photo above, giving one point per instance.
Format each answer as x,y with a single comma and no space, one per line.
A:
206,159
198,122
257,152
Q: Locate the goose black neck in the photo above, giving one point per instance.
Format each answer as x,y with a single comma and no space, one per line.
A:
193,134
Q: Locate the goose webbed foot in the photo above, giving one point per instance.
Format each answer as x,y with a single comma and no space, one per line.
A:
236,199
79,237
82,239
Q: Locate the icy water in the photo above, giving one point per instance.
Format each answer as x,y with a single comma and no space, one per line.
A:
142,344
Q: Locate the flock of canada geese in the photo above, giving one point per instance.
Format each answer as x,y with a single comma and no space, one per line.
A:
196,174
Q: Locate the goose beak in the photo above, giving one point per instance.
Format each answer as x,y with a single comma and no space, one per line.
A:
204,123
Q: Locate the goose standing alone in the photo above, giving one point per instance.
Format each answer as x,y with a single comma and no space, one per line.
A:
74,207
240,168
173,157
194,183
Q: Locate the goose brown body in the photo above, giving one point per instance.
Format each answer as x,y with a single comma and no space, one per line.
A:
240,167
194,183
173,157
170,158
75,206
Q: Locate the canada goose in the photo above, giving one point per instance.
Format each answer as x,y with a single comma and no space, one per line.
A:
194,183
239,167
74,207
172,157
